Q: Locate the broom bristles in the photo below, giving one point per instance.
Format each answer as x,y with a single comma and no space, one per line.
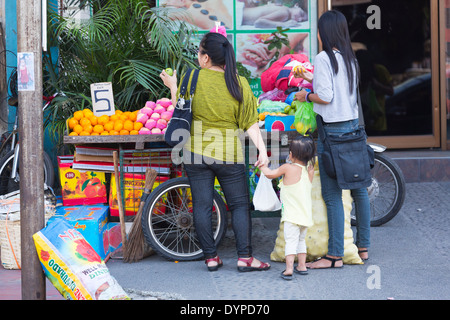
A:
136,241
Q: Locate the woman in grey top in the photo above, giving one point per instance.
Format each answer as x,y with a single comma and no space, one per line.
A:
336,74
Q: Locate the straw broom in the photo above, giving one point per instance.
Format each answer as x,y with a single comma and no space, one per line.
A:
136,242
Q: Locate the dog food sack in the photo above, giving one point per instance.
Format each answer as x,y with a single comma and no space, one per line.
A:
73,266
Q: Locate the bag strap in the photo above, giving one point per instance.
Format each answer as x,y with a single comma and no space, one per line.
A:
184,84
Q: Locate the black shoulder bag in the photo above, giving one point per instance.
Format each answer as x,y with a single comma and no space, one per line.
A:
347,157
179,126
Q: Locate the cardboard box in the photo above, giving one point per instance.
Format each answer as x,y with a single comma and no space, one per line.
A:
91,221
133,186
80,188
279,123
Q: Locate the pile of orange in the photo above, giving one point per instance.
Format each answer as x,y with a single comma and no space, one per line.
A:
85,123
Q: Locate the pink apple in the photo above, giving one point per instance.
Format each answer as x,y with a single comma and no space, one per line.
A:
156,131
155,115
170,108
167,115
163,130
150,124
146,110
159,108
150,104
141,117
144,130
161,124
165,102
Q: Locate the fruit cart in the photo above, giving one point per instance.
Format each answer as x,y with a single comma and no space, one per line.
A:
167,215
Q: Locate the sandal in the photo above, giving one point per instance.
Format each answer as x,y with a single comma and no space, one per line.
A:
333,262
216,267
301,272
363,251
262,267
286,276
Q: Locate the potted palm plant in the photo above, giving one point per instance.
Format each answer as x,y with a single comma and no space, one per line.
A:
125,42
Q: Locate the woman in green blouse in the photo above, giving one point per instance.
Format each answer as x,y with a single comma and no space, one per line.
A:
223,105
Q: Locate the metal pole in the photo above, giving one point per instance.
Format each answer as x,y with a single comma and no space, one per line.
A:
29,47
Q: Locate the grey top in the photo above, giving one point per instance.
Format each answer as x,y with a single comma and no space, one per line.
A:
335,89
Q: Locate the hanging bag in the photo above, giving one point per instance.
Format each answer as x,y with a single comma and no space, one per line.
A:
179,126
347,158
265,199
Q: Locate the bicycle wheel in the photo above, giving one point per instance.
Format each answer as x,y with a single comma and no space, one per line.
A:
167,221
8,185
387,192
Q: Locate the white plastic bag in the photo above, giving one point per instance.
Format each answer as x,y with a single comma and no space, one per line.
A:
265,199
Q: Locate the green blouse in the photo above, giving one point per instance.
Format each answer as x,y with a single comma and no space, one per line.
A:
218,119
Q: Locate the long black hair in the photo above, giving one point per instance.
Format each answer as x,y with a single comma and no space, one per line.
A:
221,53
333,31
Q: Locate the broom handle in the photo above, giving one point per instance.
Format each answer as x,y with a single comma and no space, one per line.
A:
119,202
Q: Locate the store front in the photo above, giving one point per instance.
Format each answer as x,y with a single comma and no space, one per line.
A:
397,44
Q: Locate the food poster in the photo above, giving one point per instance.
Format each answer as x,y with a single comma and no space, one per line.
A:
249,24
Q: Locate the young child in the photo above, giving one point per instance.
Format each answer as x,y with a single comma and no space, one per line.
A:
295,194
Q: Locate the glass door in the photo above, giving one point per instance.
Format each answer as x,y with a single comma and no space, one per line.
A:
396,43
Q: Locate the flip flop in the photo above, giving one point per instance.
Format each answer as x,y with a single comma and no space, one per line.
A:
262,267
301,272
286,276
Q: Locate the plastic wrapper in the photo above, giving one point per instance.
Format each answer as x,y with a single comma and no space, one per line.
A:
317,235
273,95
271,106
305,117
73,266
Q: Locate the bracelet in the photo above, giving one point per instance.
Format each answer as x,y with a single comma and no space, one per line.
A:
307,97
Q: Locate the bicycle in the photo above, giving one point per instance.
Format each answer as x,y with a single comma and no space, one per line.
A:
9,162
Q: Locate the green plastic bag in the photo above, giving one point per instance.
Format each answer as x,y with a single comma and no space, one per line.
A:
305,117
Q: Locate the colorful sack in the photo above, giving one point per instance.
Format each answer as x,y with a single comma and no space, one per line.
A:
73,266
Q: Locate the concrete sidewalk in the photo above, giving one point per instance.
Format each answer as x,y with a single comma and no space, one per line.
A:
408,261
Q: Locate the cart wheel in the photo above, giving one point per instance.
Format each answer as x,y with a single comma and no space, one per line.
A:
387,192
168,224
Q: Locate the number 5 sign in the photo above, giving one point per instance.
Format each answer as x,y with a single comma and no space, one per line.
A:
102,99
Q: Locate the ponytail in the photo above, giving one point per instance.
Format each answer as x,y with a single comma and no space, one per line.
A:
221,53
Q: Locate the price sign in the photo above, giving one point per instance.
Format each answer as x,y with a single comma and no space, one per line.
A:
102,99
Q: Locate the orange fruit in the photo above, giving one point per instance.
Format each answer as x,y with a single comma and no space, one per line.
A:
73,134
104,133
124,132
128,125
137,125
87,113
78,114
89,128
72,123
133,115
109,126
118,125
95,134
103,119
84,122
123,117
84,133
77,129
93,119
113,133
133,132
98,128
114,117
118,112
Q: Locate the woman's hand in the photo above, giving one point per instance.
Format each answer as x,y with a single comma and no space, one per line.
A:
304,74
263,160
301,95
169,81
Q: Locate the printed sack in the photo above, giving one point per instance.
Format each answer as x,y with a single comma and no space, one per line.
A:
73,266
